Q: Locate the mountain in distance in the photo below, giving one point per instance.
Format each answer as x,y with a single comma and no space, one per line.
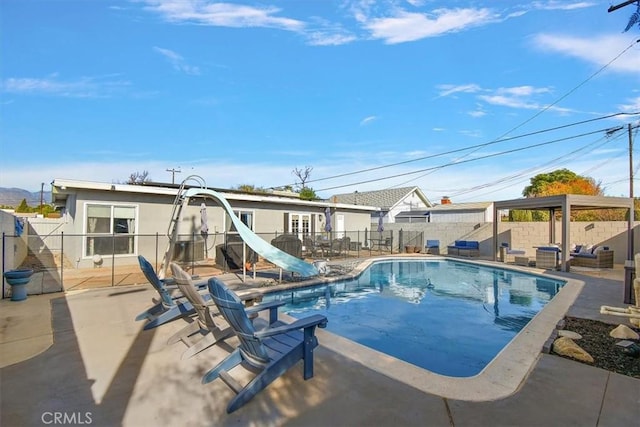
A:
14,196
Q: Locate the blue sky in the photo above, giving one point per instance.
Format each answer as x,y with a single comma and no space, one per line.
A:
456,97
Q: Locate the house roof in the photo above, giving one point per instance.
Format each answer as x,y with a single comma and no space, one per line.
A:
384,199
62,187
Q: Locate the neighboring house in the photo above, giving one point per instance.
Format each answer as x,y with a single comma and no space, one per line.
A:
390,202
479,212
123,219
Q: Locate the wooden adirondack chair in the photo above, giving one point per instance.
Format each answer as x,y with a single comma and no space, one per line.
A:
171,305
270,352
207,328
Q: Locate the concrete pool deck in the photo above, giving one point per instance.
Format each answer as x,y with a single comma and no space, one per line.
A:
80,354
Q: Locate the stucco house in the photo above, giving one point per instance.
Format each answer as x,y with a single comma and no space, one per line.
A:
390,201
116,222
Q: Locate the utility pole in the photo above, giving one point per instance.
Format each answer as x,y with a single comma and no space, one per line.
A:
41,197
173,174
630,162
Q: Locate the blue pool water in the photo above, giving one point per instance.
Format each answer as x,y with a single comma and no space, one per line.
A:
447,316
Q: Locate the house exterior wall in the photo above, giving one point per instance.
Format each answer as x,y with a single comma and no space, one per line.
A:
476,216
154,213
409,203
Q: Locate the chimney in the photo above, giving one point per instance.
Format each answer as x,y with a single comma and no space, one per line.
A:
445,200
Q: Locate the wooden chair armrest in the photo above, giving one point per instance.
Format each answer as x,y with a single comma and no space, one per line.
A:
308,322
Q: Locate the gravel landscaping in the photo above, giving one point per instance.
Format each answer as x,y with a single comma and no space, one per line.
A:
597,342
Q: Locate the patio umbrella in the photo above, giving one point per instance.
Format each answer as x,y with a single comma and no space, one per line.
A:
204,227
327,216
380,225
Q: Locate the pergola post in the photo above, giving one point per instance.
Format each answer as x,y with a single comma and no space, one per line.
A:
566,235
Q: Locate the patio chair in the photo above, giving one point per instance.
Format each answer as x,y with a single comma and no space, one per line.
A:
172,304
269,352
432,247
507,254
310,247
202,331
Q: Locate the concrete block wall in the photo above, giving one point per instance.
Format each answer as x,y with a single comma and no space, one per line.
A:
527,235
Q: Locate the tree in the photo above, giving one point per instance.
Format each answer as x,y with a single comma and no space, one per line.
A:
137,178
518,215
303,175
23,207
561,181
564,181
308,194
250,188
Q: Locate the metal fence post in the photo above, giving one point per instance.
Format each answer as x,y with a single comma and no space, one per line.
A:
61,261
113,259
156,251
3,249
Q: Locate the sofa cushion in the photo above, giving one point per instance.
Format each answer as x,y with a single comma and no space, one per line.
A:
587,255
586,249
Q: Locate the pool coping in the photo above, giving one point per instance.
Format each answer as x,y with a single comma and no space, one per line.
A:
502,377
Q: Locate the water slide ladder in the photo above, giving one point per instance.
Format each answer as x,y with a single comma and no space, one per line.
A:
272,254
172,230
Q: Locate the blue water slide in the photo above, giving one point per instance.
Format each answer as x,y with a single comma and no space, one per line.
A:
261,247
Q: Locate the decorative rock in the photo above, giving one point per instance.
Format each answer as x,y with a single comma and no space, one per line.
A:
624,332
567,347
569,334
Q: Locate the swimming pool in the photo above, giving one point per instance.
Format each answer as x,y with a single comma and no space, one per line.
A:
447,316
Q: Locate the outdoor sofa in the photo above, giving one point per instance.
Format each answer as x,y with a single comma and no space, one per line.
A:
469,248
594,257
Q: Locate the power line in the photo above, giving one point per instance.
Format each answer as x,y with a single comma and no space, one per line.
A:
486,144
529,171
467,161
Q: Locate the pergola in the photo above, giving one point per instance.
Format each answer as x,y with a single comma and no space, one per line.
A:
565,203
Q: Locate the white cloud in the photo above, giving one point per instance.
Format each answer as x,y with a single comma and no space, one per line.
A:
520,97
448,89
598,50
406,26
84,87
368,120
562,5
222,14
477,114
632,107
320,38
177,61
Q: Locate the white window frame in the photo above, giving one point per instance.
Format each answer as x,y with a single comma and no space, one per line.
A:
238,213
301,229
112,206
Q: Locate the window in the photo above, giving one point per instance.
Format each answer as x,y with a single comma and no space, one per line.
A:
245,216
110,229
